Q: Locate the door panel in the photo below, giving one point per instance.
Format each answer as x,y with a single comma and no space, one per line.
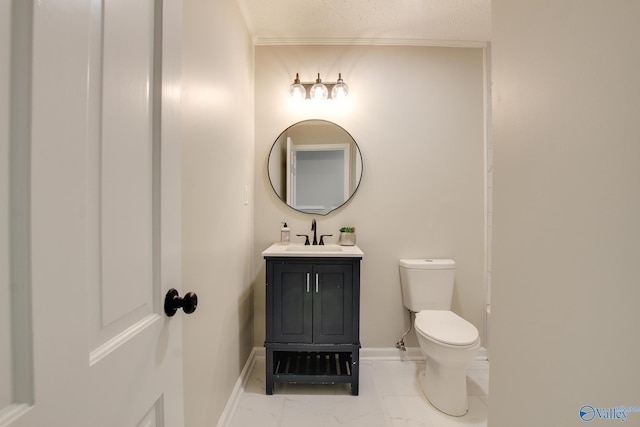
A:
136,233
6,351
94,243
126,151
122,171
16,367
153,418
292,305
333,304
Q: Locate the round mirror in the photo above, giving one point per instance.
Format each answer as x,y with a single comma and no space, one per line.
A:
315,166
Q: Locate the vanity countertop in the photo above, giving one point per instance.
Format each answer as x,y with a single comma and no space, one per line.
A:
315,251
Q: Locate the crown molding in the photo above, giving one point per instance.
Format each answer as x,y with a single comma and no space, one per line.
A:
264,41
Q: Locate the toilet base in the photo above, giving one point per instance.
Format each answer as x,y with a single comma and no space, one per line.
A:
445,387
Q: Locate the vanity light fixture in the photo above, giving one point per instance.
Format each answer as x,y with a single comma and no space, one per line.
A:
297,91
318,90
340,89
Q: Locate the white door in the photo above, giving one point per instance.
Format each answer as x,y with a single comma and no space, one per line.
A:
318,176
89,213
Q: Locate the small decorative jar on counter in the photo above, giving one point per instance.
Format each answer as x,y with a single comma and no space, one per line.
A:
347,236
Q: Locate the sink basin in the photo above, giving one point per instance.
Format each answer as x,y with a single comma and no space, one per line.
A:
315,248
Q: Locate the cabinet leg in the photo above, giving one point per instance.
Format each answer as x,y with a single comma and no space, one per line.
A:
269,372
355,372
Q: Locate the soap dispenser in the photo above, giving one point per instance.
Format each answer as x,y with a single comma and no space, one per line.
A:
285,234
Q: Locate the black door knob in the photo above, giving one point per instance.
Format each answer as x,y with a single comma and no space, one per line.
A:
172,302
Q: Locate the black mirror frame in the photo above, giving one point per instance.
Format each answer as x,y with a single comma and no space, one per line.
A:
354,191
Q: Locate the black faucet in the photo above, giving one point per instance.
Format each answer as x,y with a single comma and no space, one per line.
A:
315,238
313,228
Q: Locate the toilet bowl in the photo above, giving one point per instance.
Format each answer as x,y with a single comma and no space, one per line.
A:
449,343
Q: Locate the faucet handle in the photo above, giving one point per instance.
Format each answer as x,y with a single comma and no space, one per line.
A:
323,236
306,236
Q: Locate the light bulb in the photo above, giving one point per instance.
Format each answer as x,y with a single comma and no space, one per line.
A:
319,91
340,89
297,91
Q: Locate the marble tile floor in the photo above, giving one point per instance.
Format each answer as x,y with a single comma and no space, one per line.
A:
390,396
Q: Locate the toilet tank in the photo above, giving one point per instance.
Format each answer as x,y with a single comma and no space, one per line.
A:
427,284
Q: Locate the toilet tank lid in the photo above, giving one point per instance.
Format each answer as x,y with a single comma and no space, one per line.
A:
428,264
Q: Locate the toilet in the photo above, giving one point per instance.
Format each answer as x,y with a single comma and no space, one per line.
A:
448,341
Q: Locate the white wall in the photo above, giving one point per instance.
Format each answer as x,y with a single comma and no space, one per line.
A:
417,116
566,282
217,231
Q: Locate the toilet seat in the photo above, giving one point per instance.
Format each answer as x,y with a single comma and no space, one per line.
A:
446,327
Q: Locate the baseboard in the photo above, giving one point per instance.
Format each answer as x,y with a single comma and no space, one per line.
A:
412,353
236,393
483,354
390,353
367,353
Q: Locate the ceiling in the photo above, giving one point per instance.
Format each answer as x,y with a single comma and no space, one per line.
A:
411,22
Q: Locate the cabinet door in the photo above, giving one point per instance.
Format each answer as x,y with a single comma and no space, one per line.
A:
292,303
332,304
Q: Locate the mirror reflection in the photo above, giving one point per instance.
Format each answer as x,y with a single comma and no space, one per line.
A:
315,166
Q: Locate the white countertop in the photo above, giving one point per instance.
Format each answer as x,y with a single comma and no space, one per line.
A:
316,251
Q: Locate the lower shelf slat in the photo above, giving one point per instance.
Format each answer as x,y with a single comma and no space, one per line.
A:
312,363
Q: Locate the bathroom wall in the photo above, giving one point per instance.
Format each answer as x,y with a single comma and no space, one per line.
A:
417,114
217,233
566,282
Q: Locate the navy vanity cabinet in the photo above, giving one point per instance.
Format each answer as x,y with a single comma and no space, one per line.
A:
312,303
312,320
